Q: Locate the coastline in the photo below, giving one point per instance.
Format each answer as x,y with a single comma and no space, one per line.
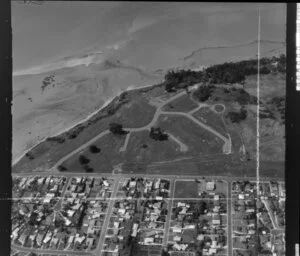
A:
108,102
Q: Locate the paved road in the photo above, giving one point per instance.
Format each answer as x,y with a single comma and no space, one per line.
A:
54,252
168,219
107,217
266,204
229,219
57,207
129,175
183,147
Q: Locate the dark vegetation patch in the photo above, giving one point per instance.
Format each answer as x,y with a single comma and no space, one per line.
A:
48,80
204,92
237,117
226,73
277,103
180,79
94,149
156,133
117,129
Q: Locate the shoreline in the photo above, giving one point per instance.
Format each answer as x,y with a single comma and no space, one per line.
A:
15,161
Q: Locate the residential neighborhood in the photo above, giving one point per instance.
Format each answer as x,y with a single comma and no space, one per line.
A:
199,226
58,214
258,218
114,216
138,217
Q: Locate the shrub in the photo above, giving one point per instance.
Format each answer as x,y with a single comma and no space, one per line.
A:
61,168
158,134
237,117
116,128
56,139
88,168
94,149
29,155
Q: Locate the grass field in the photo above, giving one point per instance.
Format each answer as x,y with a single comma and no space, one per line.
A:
102,161
199,140
181,104
212,119
152,151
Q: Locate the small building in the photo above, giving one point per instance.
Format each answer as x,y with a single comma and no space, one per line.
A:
177,230
148,240
23,238
210,185
216,221
241,196
70,240
134,229
177,238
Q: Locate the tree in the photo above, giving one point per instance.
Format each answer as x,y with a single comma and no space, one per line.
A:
204,92
61,168
94,149
83,160
158,134
116,128
29,155
88,168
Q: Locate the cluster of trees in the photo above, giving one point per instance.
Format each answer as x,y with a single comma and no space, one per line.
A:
84,161
156,133
47,81
236,72
237,117
181,79
75,132
204,92
117,129
228,73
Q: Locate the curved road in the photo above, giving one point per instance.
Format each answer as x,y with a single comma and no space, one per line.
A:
158,112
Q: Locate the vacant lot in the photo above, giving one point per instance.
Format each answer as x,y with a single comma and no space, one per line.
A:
186,189
181,104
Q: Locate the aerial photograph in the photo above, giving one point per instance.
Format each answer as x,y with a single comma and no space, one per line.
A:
148,128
